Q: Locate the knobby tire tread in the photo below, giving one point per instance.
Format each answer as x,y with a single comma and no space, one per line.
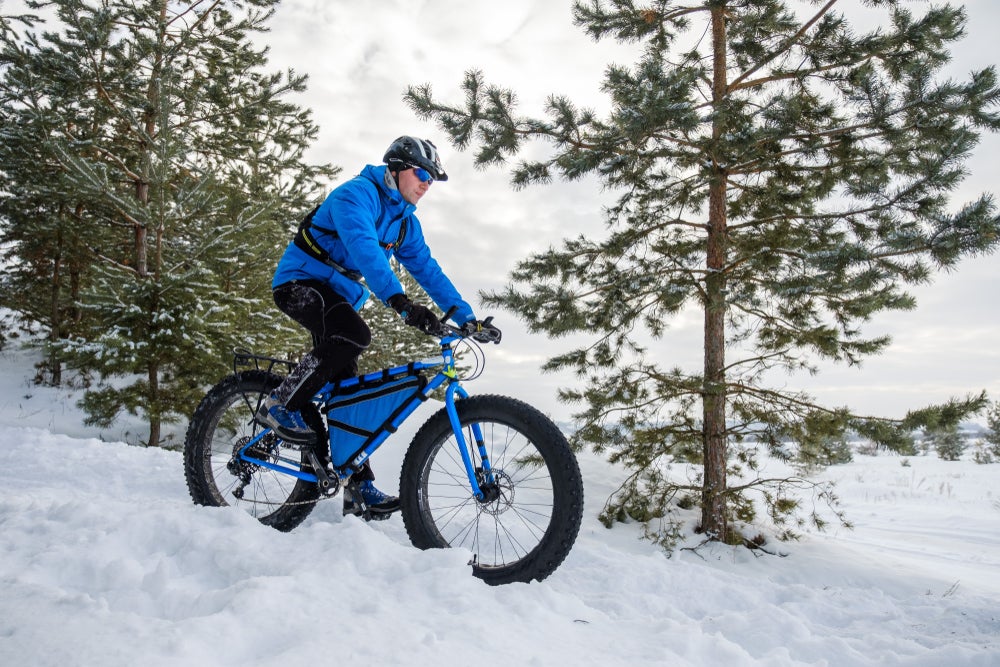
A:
563,468
200,482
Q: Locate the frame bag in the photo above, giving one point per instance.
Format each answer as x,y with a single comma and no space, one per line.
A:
356,414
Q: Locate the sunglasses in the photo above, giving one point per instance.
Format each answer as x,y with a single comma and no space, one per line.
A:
422,174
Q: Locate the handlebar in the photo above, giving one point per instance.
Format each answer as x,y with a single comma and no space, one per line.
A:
482,335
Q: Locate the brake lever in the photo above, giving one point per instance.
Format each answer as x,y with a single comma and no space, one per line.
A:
486,337
444,329
487,334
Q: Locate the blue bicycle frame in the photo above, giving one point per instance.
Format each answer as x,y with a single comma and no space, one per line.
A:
446,374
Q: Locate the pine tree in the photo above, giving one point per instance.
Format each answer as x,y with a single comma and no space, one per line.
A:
44,260
992,436
947,441
189,165
776,169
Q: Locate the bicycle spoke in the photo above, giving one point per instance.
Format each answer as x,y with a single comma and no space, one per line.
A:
516,512
218,470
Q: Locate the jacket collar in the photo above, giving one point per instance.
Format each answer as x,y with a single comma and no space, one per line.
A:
382,177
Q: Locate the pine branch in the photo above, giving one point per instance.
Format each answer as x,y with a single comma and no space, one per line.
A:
204,15
783,48
800,74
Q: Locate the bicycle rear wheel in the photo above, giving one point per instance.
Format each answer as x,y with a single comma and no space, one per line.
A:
222,424
526,525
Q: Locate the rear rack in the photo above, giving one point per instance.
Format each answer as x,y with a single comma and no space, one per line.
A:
243,358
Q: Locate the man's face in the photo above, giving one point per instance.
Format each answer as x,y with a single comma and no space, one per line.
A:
411,187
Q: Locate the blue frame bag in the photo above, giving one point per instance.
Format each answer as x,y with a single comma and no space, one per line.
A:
357,413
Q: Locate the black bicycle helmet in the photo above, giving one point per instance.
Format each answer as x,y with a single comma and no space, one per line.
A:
415,152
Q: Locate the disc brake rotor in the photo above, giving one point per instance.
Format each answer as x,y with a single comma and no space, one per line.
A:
499,494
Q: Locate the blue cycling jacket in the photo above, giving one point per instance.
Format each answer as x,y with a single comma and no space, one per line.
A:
359,225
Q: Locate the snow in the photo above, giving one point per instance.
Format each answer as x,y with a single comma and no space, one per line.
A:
105,561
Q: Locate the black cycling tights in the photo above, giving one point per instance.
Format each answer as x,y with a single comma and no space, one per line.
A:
339,337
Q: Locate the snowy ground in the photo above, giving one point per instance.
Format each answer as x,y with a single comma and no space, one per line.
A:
104,561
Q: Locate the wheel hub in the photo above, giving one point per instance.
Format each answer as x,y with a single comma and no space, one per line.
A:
498,495
244,470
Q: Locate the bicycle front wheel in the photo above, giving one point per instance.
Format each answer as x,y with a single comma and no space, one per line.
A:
220,427
526,523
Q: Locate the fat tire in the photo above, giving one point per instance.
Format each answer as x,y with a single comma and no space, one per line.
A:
210,484
513,421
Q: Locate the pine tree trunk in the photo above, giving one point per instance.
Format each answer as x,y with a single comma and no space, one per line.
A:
150,118
55,322
76,268
713,512
154,397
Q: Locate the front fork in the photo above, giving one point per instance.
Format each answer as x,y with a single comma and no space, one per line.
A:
485,473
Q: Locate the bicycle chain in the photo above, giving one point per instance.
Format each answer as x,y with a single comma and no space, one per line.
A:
322,496
298,502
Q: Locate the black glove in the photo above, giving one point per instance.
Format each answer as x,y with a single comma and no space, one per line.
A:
421,317
482,330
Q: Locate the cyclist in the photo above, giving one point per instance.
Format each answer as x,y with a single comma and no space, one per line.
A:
338,257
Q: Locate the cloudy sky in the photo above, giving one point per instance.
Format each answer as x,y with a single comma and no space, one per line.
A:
360,58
